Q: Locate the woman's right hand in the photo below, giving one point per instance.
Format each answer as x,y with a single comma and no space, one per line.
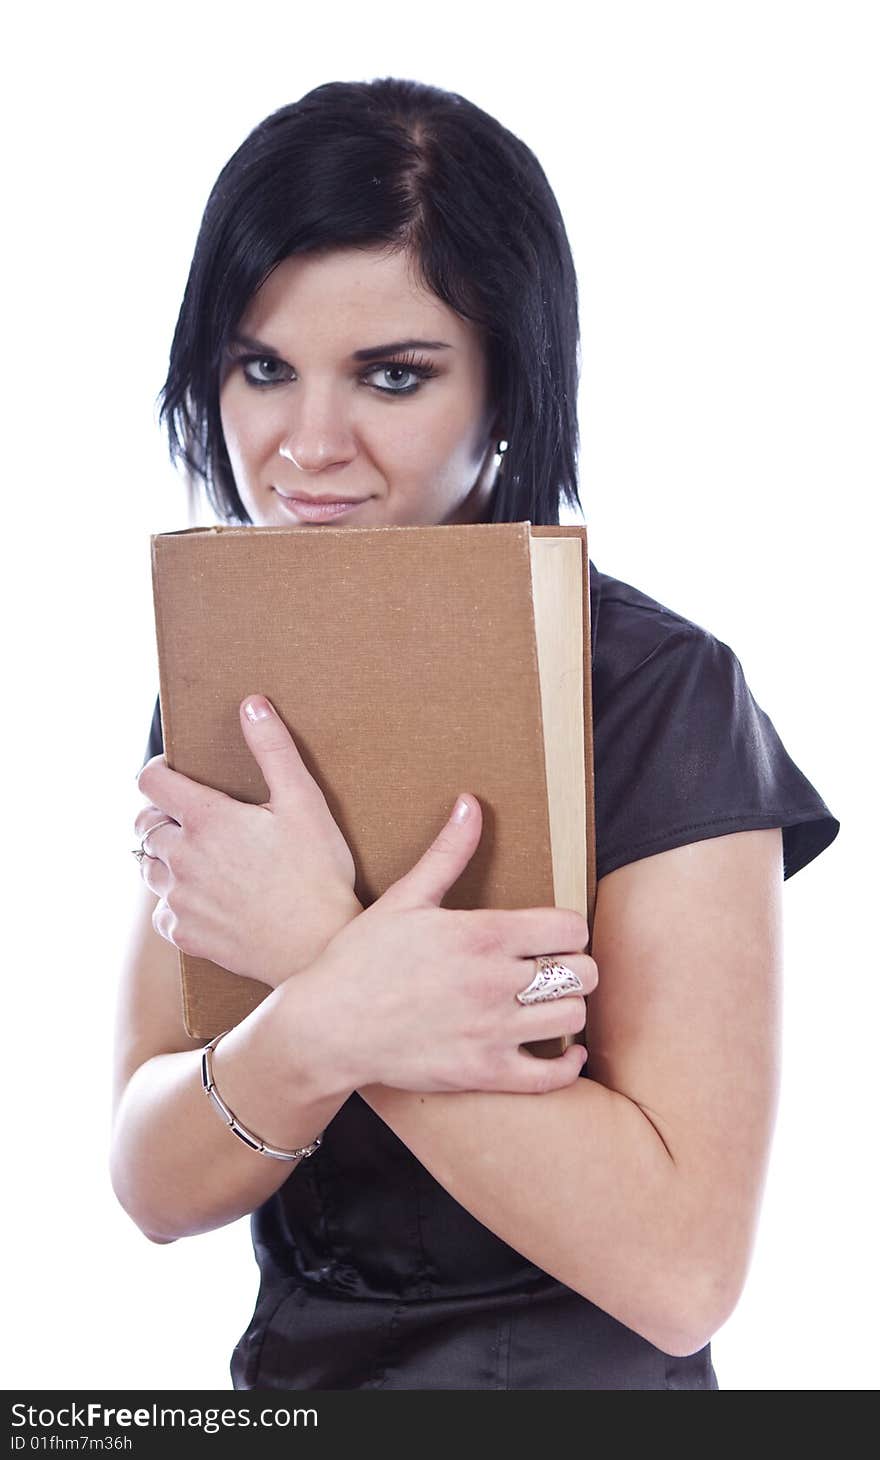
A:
424,997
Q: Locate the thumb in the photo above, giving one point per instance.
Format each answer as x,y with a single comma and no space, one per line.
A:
272,747
444,861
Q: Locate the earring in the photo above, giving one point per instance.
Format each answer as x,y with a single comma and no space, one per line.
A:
501,447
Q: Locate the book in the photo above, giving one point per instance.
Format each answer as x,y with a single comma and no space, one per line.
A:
408,663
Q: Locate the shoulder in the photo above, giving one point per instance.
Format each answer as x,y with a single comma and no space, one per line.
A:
682,749
629,629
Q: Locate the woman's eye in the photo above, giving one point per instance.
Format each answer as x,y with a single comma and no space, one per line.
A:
276,369
417,367
396,388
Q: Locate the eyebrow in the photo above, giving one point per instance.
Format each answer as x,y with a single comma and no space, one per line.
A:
375,352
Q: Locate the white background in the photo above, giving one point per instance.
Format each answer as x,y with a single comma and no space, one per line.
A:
716,164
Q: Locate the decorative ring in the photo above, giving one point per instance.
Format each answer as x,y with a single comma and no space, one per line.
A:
141,851
553,980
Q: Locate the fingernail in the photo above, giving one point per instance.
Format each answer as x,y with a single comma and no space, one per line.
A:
257,708
461,810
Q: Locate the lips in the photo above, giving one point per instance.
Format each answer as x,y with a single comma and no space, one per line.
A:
309,501
319,509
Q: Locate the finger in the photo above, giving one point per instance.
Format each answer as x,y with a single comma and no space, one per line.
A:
533,932
149,821
163,921
175,794
273,748
550,1020
156,875
532,1074
149,816
428,881
159,841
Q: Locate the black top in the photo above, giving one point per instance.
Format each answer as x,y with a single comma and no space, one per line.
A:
371,1274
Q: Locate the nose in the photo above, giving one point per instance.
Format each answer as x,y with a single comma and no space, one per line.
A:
317,437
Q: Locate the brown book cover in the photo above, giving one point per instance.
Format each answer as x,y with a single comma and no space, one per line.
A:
409,664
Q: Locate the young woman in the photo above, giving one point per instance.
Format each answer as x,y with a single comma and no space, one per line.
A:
382,311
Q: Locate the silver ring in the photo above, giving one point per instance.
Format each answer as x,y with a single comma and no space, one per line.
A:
141,851
553,980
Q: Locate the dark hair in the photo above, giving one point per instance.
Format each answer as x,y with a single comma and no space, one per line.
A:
397,163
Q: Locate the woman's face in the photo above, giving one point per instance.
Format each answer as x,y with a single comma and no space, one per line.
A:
408,431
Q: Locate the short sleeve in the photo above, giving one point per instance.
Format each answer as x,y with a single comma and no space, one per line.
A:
683,752
155,743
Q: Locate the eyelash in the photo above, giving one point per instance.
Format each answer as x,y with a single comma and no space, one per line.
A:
414,364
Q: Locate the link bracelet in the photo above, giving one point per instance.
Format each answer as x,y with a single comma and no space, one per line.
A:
254,1142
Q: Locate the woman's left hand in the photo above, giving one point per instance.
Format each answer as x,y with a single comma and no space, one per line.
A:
257,889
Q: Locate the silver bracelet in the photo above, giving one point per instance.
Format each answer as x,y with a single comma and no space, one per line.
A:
255,1143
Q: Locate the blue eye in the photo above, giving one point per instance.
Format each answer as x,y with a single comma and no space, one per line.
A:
401,369
416,365
261,360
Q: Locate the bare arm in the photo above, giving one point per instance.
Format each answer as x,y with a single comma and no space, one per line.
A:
640,1188
175,1167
